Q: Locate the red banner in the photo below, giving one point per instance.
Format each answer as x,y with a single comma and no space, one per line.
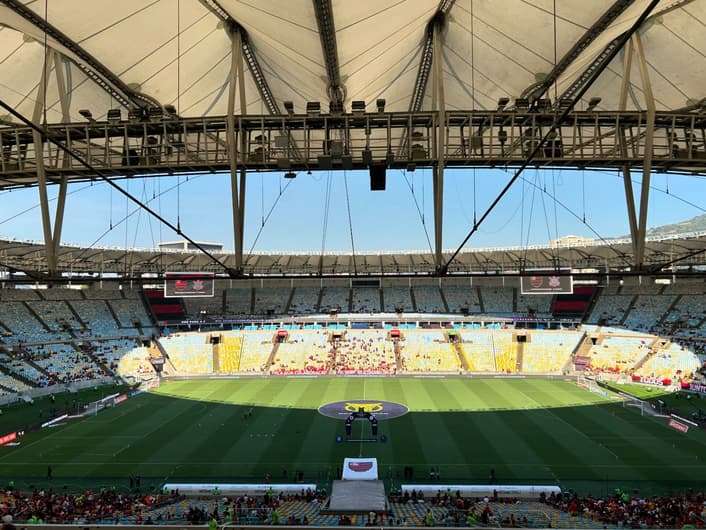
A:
694,387
651,380
674,424
8,438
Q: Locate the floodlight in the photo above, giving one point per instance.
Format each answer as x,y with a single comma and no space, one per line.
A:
502,103
155,113
522,103
114,115
313,108
380,103
358,107
86,114
171,110
593,103
289,107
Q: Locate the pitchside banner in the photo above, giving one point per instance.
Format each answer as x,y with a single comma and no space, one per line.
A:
188,284
547,283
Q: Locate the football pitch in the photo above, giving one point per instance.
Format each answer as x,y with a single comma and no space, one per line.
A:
524,431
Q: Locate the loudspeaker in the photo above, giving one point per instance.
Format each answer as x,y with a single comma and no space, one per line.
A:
377,177
215,339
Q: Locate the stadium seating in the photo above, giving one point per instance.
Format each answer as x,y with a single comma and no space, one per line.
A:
365,351
98,318
63,363
497,301
238,301
646,311
25,327
366,300
229,350
397,297
548,351
135,364
271,300
617,354
129,311
673,363
303,352
539,304
428,351
256,350
428,299
335,298
610,308
189,353
477,349
18,295
459,297
305,300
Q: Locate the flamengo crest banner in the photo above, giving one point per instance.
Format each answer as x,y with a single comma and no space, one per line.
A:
360,469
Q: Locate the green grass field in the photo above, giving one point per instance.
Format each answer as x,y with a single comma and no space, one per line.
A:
527,430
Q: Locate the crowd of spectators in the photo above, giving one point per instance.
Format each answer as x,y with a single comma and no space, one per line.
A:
622,509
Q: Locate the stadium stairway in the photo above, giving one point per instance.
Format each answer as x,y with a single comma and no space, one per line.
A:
114,314
443,300
88,353
4,369
382,300
520,354
457,348
414,300
632,303
36,316
583,347
75,314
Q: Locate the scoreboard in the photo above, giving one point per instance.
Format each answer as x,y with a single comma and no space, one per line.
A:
547,283
188,284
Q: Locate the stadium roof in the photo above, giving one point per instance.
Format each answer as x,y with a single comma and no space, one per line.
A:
589,256
179,57
171,52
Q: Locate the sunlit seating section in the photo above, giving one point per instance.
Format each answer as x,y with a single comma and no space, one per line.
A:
428,351
97,316
136,363
505,352
64,363
548,351
617,354
366,300
428,299
238,301
365,351
335,298
478,351
130,310
646,287
673,363
611,308
59,294
18,295
397,297
497,300
305,300
55,314
646,311
24,326
462,297
190,353
271,299
541,304
256,350
303,352
229,350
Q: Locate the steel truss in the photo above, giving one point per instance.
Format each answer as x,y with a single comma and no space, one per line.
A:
472,139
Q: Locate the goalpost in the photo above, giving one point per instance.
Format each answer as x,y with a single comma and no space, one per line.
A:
591,385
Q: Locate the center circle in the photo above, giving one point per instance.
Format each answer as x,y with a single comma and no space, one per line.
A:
382,410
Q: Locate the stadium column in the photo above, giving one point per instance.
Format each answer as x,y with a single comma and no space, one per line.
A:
649,139
627,177
39,107
237,177
438,102
66,160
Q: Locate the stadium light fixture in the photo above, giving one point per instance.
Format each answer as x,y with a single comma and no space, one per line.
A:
171,110
114,115
289,107
380,103
358,107
543,104
502,103
522,103
290,175
593,103
313,108
86,114
155,113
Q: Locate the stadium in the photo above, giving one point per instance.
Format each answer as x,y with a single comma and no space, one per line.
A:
321,371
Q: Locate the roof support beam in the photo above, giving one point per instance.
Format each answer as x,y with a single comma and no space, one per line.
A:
94,69
248,54
439,103
536,91
599,67
327,32
649,140
237,178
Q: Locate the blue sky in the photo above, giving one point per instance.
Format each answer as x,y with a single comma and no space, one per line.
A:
389,220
